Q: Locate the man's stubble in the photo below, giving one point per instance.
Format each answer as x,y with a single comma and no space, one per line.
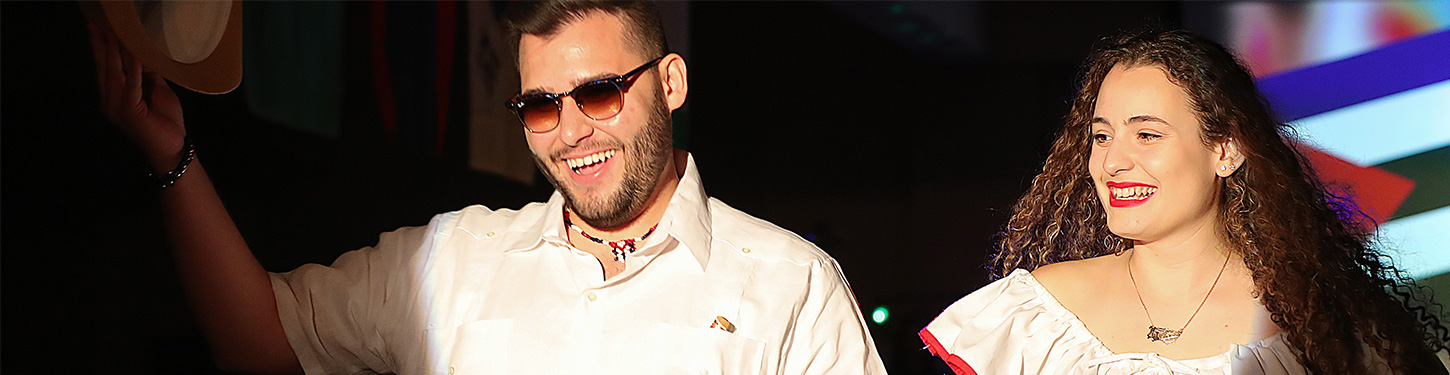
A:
646,155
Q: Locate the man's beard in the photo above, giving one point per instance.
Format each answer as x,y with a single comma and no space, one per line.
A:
644,156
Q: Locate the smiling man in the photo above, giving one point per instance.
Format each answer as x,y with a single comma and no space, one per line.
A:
628,269
596,102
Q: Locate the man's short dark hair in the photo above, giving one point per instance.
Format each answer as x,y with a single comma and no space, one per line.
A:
643,30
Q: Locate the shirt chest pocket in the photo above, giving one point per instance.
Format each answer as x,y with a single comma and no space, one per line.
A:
660,348
481,347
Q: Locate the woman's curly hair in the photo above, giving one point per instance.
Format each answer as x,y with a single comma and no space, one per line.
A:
1310,252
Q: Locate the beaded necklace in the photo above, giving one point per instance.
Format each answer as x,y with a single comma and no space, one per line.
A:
620,248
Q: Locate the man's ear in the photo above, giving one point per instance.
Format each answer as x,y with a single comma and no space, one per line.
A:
674,80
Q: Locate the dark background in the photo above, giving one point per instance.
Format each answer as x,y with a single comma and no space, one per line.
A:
898,144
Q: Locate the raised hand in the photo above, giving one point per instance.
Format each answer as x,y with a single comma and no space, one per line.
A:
138,101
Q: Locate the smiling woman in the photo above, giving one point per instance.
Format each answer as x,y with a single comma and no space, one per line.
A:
1174,229
1150,161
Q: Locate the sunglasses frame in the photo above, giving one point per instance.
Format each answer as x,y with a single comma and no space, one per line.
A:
620,83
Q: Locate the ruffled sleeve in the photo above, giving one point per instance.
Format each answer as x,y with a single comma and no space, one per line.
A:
1014,326
1006,328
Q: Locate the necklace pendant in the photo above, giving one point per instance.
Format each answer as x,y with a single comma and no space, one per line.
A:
1167,336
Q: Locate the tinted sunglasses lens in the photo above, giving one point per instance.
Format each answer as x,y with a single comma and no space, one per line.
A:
539,114
599,100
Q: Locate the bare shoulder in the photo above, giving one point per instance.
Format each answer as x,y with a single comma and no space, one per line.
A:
1071,279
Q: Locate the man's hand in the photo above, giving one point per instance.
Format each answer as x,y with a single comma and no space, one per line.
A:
229,291
138,101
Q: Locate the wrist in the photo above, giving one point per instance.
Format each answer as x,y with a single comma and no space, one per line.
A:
182,160
164,154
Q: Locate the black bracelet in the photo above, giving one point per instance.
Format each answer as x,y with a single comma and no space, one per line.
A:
188,153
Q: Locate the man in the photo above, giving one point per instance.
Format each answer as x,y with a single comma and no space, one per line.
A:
629,268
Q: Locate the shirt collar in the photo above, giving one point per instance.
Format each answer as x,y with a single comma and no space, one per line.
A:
688,214
686,219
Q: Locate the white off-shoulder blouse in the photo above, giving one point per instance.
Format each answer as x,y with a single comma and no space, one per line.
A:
1013,326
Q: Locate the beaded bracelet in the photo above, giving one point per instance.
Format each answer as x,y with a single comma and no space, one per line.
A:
188,153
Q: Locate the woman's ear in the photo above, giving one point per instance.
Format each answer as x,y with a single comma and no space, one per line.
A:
1230,157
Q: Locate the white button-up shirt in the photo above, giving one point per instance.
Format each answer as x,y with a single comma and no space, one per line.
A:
480,291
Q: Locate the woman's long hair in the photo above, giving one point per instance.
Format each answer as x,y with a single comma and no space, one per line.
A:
1309,251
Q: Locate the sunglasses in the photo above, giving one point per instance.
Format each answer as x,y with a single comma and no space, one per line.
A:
598,99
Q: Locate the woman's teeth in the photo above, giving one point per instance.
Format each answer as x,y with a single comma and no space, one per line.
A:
1133,193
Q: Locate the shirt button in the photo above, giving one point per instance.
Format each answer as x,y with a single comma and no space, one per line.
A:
591,296
704,372
745,250
490,234
451,370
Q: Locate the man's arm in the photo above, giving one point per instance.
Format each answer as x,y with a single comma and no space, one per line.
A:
230,292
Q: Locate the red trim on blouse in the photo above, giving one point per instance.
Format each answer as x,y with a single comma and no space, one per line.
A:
956,363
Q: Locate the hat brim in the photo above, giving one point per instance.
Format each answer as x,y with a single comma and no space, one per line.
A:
219,73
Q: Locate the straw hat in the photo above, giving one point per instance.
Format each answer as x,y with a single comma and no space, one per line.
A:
195,44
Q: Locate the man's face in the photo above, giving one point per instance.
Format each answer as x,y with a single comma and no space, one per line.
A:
606,169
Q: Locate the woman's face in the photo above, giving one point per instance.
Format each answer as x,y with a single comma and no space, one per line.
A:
1152,171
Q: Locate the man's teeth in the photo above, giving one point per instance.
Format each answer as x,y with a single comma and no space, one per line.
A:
1133,193
588,160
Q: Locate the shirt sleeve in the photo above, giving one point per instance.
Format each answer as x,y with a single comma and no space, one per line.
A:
1006,327
829,335
331,314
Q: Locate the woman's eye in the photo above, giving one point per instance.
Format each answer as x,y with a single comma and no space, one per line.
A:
1148,136
1100,138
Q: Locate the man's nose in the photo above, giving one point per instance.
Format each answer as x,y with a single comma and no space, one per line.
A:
574,126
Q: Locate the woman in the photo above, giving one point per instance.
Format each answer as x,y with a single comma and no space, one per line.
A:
1174,229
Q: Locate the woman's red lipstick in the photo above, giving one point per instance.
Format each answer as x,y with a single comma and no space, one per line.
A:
1138,193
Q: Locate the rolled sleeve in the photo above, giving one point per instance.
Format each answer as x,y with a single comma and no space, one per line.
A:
331,314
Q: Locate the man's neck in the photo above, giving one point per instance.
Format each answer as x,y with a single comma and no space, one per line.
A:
654,209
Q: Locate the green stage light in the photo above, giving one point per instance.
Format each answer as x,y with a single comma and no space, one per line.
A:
880,314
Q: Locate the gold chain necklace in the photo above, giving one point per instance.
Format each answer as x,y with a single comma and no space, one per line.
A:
1166,335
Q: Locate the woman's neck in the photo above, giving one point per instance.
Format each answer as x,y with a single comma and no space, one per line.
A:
1178,264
